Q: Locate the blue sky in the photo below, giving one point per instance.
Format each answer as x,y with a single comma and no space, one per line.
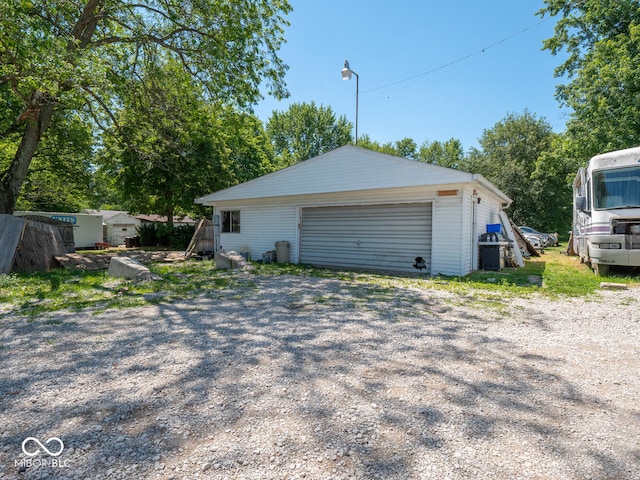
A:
392,44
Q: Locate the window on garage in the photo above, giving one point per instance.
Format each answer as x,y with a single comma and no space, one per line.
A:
230,221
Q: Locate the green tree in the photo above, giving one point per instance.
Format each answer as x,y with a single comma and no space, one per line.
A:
169,145
60,174
448,154
306,130
602,69
74,53
509,156
60,177
406,147
551,184
249,147
105,188
389,148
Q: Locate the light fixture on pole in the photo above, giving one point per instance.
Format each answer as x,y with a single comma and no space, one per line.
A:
346,75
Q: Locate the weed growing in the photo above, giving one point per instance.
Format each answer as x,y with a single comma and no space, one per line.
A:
36,293
553,274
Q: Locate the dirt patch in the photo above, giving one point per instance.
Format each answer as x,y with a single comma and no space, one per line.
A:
101,261
535,280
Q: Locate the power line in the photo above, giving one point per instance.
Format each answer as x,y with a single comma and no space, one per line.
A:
458,60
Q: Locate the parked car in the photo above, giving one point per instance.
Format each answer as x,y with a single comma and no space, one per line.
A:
548,239
533,239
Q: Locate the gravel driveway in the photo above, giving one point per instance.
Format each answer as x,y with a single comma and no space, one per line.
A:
298,377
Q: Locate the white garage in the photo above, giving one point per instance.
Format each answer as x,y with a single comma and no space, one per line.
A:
358,209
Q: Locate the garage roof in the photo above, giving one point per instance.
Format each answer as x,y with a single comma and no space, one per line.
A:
347,168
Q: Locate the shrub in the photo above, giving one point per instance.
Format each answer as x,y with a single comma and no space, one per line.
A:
161,235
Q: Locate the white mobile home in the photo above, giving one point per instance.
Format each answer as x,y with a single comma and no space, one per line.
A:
360,209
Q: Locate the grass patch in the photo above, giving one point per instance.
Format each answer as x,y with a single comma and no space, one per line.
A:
35,293
565,275
553,274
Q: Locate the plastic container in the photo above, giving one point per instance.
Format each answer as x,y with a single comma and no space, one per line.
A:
282,251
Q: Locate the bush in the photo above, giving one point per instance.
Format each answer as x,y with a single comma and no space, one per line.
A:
148,234
161,235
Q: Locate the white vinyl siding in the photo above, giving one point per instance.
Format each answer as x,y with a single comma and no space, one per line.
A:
466,232
347,168
120,232
261,228
368,237
447,236
117,227
487,212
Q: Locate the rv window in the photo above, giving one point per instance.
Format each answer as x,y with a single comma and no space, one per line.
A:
588,195
617,188
230,221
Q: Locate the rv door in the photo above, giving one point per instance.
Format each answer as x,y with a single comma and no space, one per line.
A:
580,191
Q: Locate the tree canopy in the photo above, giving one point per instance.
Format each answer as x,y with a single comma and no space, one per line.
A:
168,145
602,69
75,54
449,153
61,175
306,130
509,156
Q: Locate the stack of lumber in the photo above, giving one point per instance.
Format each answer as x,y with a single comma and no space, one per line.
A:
202,240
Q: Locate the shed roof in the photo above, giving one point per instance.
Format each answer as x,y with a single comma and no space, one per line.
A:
347,168
153,218
111,214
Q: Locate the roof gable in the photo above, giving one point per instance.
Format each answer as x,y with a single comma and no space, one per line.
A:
109,214
120,218
347,168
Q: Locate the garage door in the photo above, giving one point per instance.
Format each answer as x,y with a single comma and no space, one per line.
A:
378,237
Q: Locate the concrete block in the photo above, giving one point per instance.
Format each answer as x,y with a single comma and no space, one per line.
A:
226,260
129,268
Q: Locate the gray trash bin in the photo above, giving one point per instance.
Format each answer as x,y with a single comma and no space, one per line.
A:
282,251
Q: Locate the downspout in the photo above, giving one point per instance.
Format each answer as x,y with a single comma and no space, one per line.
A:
463,220
474,231
216,231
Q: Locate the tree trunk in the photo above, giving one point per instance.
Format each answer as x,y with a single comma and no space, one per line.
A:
38,115
170,211
37,118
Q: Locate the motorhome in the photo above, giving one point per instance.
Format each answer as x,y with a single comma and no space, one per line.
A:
606,211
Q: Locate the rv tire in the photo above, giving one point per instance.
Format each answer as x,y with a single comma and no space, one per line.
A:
600,270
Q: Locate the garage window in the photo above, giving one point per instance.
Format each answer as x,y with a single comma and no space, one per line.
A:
230,221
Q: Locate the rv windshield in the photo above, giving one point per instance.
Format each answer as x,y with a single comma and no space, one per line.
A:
616,188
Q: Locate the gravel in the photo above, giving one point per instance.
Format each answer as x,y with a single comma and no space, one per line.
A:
294,377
